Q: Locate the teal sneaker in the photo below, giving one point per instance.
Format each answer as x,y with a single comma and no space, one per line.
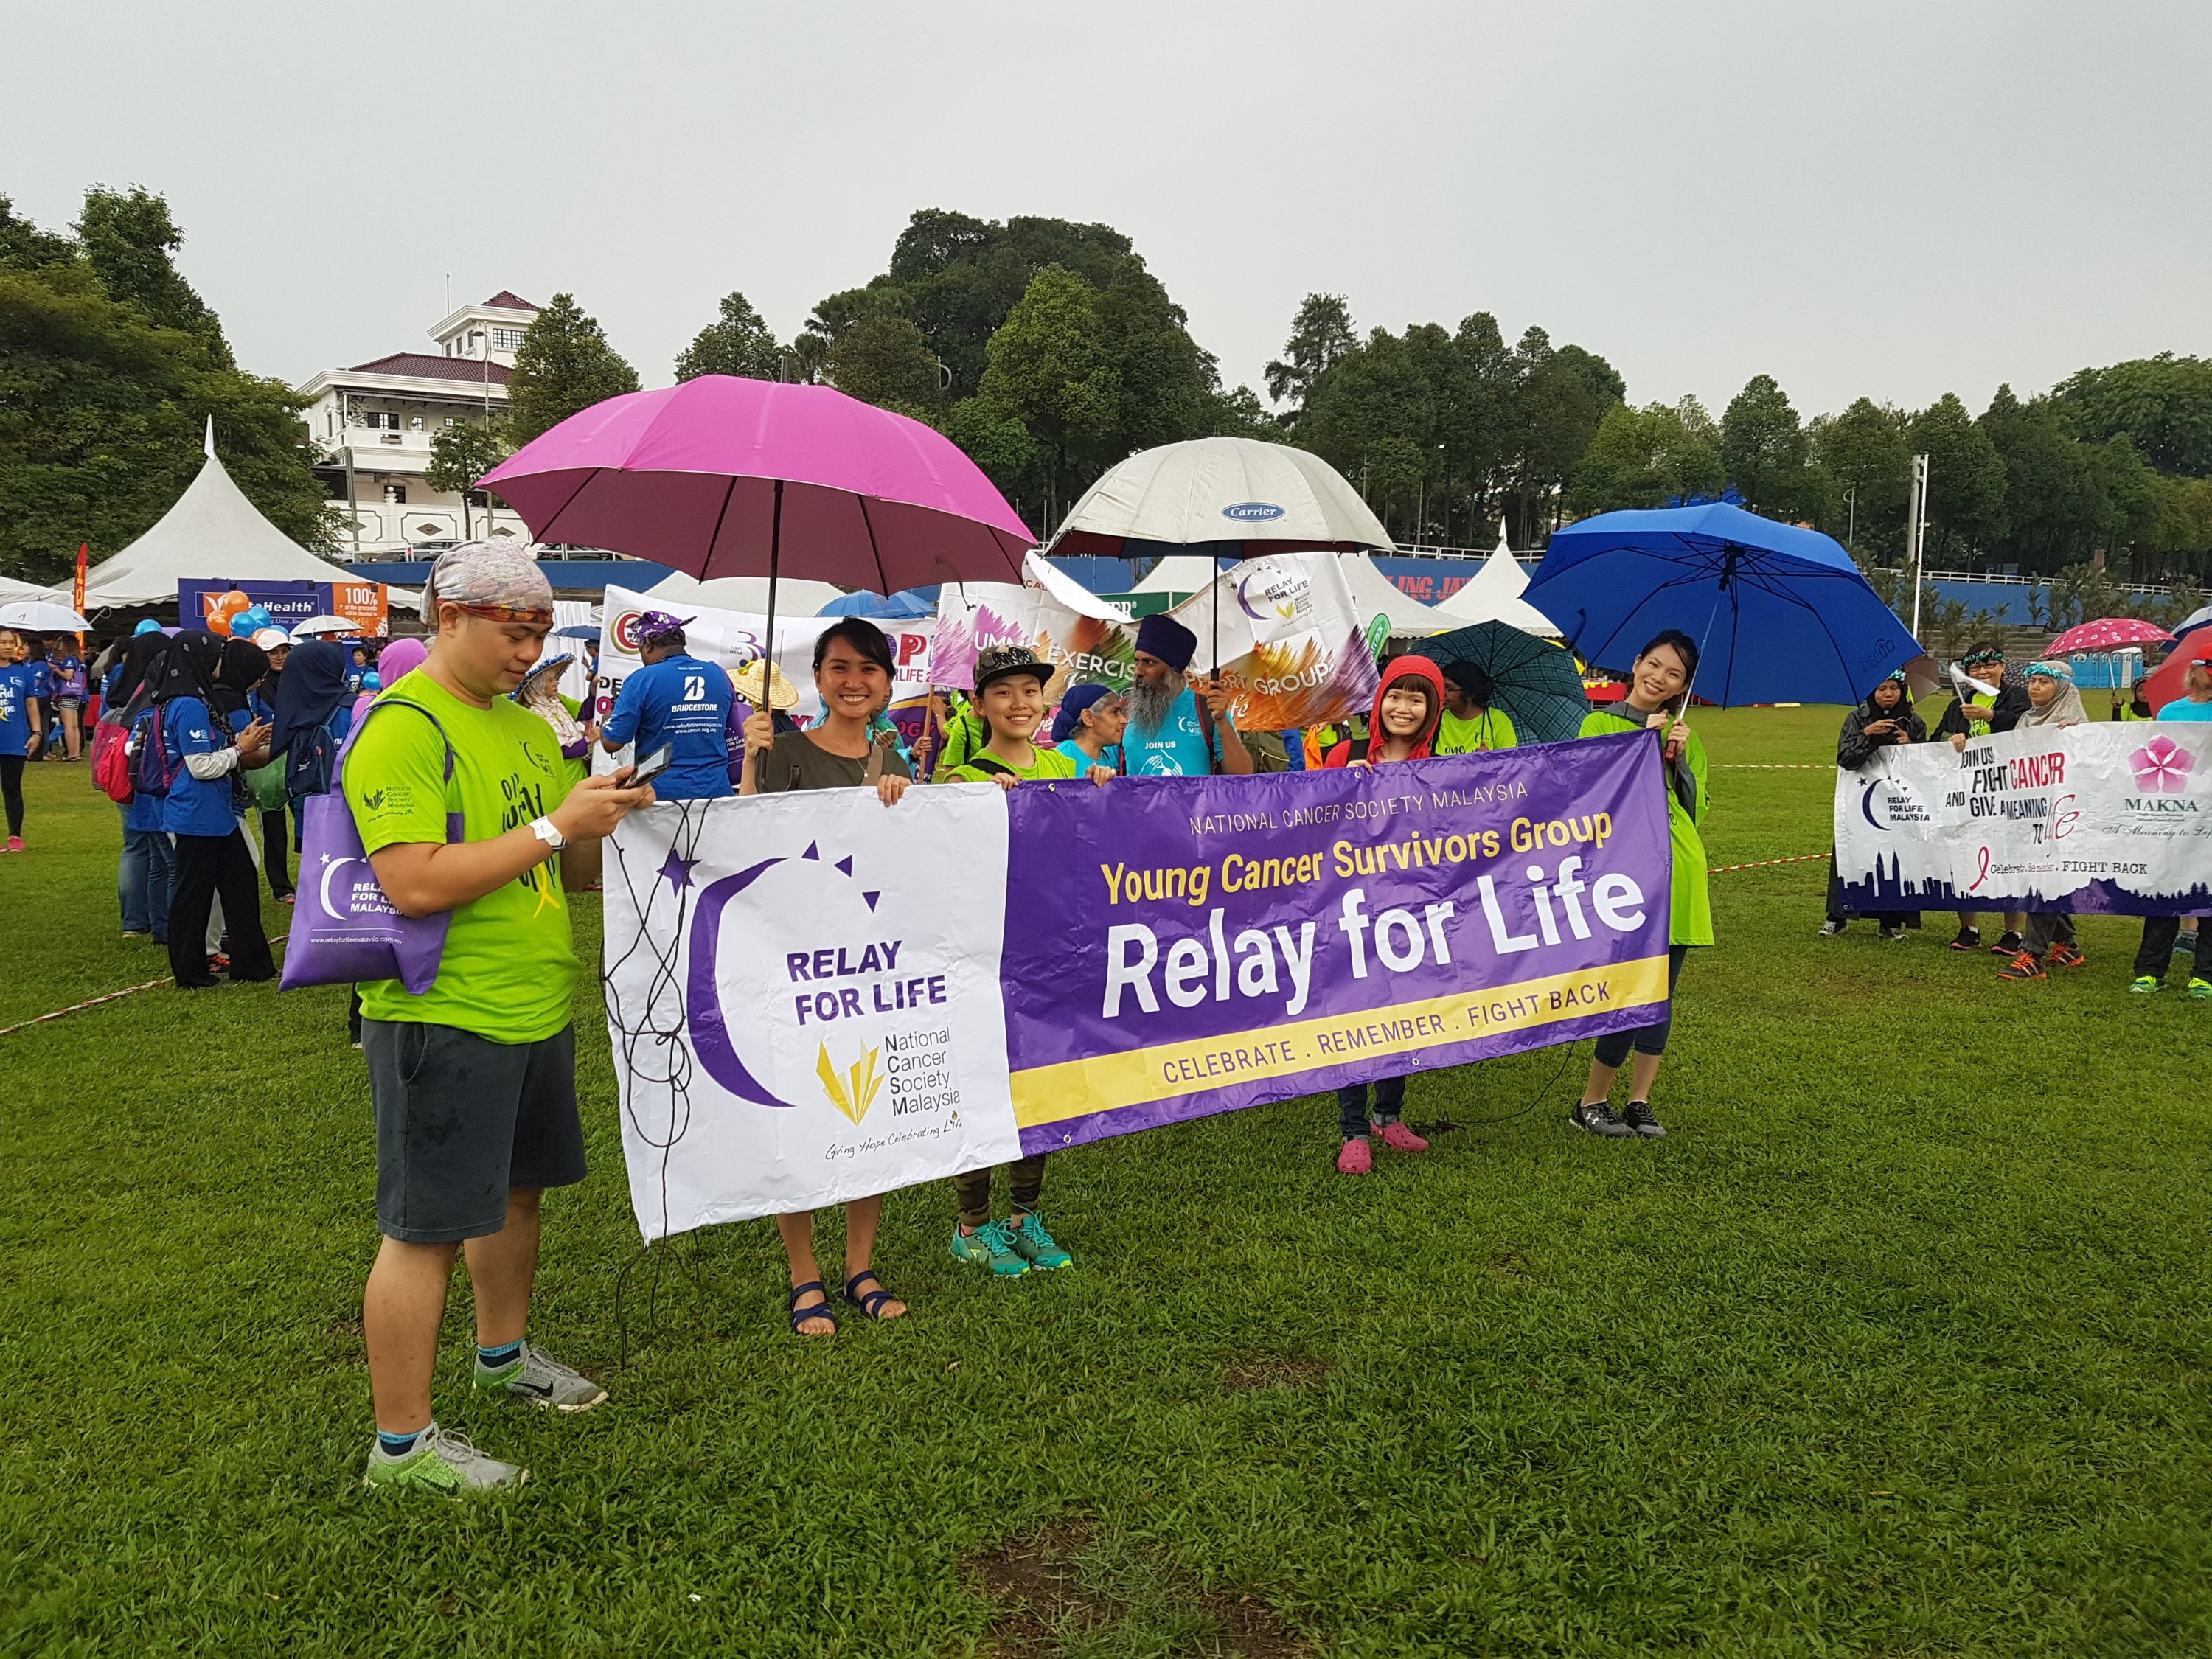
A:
442,1462
542,1380
992,1245
2147,985
1035,1245
2200,988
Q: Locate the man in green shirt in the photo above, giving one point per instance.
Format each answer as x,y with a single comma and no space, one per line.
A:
1472,721
465,808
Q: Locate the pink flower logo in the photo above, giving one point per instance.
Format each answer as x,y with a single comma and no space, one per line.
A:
2162,767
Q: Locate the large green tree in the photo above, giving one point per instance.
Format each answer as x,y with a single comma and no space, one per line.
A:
1321,333
103,403
1050,368
738,342
884,360
564,365
1863,451
1965,481
1764,449
1647,457
2162,404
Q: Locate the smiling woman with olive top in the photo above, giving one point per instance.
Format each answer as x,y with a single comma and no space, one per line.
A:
1659,687
852,671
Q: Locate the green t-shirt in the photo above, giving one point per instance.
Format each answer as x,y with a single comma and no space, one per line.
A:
1490,729
1691,918
509,966
1049,763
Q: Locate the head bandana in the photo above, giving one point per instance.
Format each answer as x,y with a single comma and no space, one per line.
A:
499,584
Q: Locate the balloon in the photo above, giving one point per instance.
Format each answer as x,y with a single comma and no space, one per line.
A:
226,610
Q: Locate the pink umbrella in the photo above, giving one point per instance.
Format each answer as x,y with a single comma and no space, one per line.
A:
715,476
2108,634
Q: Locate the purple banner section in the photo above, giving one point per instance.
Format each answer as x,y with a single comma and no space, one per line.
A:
1181,946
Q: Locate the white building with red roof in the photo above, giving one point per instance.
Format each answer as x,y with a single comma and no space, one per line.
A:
371,428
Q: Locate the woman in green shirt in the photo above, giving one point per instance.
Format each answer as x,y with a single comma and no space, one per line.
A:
1658,688
1010,682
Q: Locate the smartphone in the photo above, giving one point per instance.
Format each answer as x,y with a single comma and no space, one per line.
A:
652,766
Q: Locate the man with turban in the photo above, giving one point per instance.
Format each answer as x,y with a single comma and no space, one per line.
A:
1173,732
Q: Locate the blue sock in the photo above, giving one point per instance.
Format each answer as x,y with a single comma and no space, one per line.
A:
493,1360
398,1445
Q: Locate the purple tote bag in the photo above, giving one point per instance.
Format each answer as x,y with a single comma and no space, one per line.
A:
343,928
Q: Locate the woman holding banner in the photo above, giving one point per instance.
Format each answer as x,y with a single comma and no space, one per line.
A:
1409,708
1658,690
852,671
2053,701
1884,719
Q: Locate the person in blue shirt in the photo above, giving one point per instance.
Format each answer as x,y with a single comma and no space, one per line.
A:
20,727
1173,732
1088,728
202,699
2195,702
148,869
679,702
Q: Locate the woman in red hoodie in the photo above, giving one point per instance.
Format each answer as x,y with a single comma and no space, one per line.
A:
1409,705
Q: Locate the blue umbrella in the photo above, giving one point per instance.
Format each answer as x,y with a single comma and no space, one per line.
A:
1780,614
577,631
902,606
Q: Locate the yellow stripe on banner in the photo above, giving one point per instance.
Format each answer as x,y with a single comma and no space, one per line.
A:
1105,1083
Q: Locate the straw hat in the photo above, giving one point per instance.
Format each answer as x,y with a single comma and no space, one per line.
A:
782,694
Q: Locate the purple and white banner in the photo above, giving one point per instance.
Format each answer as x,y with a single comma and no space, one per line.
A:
2103,817
814,998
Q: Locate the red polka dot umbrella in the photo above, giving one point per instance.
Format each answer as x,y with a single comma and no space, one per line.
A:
2108,634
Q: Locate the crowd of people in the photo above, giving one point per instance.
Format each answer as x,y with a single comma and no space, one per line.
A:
1995,697
473,1081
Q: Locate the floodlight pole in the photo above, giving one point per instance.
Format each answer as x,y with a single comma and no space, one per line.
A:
1917,533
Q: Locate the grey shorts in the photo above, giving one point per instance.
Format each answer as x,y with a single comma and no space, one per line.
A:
460,1118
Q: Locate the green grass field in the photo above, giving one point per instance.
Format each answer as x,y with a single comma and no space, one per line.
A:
1897,1346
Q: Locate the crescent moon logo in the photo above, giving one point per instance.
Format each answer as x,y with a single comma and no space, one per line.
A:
331,868
1866,806
1245,604
710,1030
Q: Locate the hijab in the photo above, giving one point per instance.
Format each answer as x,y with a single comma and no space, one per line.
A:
239,668
2064,710
187,670
398,658
308,692
142,660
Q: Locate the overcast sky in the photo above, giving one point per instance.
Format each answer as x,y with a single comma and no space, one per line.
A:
1874,197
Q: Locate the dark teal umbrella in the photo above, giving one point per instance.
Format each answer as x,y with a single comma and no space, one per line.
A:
1538,683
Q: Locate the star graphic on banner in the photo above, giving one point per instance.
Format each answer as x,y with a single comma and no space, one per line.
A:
676,870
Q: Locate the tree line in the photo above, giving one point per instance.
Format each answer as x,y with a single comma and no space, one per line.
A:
1048,350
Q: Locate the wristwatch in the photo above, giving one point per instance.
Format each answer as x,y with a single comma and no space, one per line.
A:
548,832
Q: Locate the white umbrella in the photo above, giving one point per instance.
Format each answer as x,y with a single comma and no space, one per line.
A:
315,626
1259,497
41,617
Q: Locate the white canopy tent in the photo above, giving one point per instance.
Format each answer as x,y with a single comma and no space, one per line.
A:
795,596
11,591
212,532
1493,594
1377,596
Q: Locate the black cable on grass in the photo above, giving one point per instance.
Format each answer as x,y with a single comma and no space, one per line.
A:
1445,1126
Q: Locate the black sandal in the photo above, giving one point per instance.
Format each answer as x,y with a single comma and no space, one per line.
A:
800,1316
869,1302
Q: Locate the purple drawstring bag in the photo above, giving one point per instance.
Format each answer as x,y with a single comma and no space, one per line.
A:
343,928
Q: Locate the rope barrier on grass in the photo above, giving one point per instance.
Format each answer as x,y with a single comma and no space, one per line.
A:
1773,766
112,996
1762,864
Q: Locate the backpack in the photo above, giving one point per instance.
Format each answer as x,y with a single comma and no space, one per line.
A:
111,760
154,768
307,761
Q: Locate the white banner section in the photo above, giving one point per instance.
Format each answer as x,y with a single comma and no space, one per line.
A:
2104,816
797,1018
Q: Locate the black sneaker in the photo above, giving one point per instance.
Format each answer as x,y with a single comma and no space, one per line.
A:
1831,928
2008,944
1643,1120
1969,938
1893,934
1599,1119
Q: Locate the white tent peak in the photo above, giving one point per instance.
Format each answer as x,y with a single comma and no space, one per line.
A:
207,443
212,533
1493,594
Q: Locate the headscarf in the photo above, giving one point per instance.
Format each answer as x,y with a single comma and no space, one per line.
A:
240,666
2065,708
143,660
1161,636
501,583
188,669
398,658
308,692
1069,721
